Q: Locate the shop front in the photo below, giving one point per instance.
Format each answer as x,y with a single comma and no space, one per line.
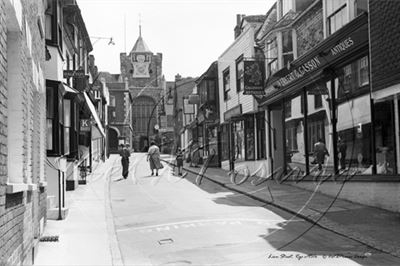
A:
325,97
243,140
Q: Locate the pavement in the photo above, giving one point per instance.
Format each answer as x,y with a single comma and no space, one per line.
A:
87,236
374,227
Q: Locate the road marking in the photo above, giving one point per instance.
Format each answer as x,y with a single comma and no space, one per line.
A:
204,222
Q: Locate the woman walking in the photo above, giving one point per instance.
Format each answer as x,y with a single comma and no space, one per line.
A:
125,154
153,157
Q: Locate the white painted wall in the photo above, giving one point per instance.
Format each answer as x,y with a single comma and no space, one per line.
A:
54,67
244,44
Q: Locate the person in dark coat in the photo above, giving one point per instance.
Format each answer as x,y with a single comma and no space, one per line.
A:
125,154
320,151
342,147
179,160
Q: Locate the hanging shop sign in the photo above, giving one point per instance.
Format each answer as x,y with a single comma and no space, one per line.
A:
253,77
85,125
80,73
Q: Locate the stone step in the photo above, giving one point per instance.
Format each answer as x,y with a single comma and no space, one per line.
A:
53,213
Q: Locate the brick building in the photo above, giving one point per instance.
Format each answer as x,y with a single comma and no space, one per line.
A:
22,130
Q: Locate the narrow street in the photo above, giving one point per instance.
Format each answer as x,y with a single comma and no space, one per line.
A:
167,220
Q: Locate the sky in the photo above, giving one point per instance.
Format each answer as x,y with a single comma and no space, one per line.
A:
191,34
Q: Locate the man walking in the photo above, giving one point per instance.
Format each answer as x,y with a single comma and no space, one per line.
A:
125,160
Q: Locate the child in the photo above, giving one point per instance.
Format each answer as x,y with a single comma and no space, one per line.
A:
179,160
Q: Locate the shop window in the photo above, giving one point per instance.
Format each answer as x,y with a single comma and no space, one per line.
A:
364,71
295,152
250,138
261,144
239,74
239,141
287,47
225,147
226,83
354,130
353,79
337,14
316,131
385,137
291,137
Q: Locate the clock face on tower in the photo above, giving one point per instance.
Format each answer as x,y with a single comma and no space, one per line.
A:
140,66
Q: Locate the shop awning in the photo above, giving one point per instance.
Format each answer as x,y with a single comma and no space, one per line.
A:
67,90
94,114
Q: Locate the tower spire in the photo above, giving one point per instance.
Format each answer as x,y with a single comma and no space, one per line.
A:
140,26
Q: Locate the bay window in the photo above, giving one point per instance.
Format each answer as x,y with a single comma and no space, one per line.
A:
272,57
337,14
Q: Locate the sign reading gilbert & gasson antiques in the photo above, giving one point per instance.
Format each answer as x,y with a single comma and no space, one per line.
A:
253,77
335,48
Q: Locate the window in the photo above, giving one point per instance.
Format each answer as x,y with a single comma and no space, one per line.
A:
67,125
291,137
225,147
50,108
283,7
337,14
287,47
250,138
361,6
112,100
239,74
49,12
316,131
226,81
272,57
302,5
363,73
238,136
317,101
288,108
354,78
347,78
261,136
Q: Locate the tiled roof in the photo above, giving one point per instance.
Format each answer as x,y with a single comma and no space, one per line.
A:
140,46
255,18
287,19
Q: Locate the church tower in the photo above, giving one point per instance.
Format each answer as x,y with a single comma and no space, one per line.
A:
142,70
